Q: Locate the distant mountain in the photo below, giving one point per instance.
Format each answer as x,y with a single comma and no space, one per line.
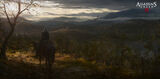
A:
67,19
90,26
133,14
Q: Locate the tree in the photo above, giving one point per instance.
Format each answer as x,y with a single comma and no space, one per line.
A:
20,6
0,31
0,28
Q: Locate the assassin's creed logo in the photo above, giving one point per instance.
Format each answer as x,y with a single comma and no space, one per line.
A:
146,5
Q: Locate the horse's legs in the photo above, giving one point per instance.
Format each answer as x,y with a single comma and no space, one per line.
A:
46,62
47,68
40,60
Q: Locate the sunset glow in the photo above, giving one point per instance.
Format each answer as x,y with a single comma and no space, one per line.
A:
50,9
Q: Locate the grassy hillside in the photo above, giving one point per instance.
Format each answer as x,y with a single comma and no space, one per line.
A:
121,50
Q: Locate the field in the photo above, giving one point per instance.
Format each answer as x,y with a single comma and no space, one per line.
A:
25,66
127,50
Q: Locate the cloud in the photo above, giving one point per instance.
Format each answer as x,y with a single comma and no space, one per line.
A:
84,8
111,4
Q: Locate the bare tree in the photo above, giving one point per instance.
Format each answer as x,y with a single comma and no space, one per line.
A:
0,31
20,6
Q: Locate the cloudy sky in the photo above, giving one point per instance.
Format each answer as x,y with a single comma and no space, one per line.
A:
82,9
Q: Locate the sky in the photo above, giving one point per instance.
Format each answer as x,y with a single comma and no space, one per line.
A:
55,9
82,9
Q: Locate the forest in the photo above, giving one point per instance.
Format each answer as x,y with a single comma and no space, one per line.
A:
127,50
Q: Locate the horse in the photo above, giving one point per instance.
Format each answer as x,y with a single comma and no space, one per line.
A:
45,50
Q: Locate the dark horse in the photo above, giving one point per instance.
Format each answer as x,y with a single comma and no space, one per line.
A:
45,50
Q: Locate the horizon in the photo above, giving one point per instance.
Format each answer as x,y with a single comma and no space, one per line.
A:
81,9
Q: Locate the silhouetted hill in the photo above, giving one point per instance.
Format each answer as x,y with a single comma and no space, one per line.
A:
93,28
134,14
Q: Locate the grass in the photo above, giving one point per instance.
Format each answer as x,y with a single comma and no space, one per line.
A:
26,66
